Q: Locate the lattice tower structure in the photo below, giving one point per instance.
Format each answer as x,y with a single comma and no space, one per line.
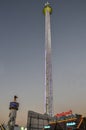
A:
48,103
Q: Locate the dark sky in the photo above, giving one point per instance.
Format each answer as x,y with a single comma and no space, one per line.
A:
22,60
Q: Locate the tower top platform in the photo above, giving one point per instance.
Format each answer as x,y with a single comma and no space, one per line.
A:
46,8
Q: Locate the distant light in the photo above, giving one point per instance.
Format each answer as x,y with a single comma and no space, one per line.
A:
71,123
47,126
22,128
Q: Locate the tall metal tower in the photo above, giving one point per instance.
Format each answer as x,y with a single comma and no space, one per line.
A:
13,112
48,104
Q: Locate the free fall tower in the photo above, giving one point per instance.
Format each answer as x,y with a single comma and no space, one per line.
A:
48,101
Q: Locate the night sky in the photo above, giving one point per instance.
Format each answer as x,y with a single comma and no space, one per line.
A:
22,62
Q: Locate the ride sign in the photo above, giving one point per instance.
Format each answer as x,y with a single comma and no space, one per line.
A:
64,113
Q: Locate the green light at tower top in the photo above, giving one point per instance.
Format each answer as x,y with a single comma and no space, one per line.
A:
47,8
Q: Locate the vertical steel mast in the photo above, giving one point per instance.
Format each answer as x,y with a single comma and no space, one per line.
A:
48,106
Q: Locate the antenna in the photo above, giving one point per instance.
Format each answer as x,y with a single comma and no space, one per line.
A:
47,3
